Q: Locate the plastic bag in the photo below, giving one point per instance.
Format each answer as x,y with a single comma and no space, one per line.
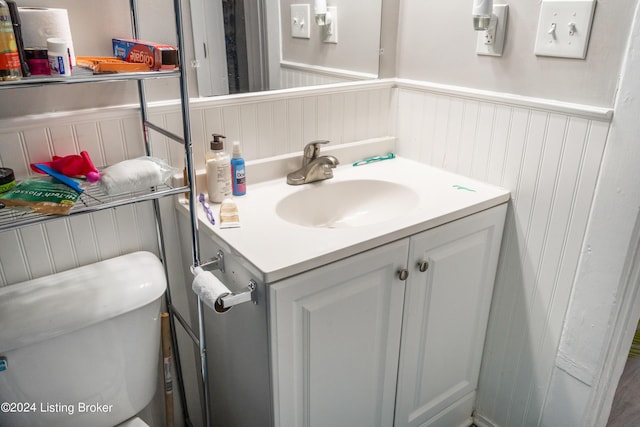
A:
133,175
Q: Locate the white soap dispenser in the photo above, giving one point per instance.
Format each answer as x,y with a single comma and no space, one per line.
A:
218,171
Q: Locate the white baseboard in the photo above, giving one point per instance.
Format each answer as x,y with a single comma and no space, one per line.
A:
481,421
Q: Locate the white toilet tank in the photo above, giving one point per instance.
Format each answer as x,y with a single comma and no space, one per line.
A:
81,347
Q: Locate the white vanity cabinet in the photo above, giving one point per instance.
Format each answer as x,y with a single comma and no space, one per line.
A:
354,345
335,335
445,318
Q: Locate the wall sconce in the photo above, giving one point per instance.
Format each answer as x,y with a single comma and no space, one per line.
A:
491,23
321,12
482,13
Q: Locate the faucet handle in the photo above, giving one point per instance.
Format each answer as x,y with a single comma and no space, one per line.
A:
311,150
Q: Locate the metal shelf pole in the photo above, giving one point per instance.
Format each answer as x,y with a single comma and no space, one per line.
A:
195,244
184,97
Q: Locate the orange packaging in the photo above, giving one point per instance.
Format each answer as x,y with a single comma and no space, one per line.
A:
110,64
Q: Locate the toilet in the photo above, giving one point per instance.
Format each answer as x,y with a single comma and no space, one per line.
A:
82,347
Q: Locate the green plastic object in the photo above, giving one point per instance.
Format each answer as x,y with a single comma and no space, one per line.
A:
374,159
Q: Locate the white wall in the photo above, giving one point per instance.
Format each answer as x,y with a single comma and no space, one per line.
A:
605,304
436,43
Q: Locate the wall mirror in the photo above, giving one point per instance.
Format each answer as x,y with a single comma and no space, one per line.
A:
254,45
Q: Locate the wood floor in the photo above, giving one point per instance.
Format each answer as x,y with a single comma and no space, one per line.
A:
625,411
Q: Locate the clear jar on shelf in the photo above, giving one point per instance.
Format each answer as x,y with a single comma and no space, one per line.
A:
10,68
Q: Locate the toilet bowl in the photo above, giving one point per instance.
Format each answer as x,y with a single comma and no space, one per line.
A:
81,347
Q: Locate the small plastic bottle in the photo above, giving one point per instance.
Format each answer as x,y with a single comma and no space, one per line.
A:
218,171
238,175
59,61
10,68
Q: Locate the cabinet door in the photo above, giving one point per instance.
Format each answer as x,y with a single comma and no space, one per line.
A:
445,319
335,338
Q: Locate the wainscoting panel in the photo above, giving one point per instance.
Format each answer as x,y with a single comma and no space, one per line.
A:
549,160
285,122
267,124
59,245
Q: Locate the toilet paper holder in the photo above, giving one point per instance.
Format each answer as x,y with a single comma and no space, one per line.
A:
217,263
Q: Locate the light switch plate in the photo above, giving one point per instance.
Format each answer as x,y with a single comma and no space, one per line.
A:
496,46
300,24
564,27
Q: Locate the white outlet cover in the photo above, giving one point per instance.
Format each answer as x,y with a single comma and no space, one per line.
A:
300,21
331,36
496,48
556,37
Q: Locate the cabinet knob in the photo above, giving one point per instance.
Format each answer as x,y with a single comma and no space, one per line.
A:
403,273
423,266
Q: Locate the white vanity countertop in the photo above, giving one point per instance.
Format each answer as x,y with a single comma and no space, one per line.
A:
279,249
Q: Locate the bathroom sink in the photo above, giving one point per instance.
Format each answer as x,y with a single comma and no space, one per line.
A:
351,203
358,209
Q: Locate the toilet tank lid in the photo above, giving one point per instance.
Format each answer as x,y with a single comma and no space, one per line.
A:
60,303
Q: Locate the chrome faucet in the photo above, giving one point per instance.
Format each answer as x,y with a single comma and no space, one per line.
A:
314,167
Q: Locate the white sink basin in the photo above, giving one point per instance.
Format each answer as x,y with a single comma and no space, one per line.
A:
351,203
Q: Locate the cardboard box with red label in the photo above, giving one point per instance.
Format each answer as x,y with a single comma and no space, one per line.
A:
157,56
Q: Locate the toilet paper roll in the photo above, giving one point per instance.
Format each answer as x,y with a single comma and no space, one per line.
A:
41,23
209,289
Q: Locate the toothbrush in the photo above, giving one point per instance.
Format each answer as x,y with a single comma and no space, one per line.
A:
69,182
207,209
374,159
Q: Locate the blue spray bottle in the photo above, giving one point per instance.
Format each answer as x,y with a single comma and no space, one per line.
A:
238,182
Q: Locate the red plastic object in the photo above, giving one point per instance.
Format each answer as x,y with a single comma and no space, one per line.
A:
73,165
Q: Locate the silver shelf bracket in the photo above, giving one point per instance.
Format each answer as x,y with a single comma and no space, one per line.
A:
246,296
216,263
